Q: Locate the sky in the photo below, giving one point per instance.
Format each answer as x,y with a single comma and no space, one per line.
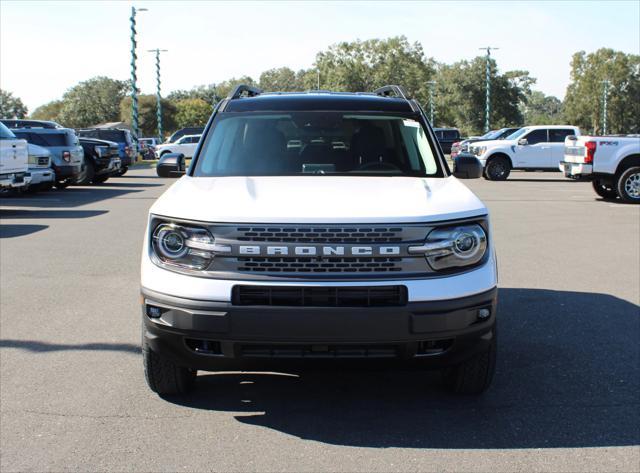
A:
47,47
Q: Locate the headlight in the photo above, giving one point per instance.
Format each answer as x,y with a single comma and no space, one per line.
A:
480,150
451,247
182,246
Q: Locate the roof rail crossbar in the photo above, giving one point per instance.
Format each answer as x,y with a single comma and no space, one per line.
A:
387,90
244,90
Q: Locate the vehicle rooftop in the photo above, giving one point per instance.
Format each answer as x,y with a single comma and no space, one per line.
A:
318,101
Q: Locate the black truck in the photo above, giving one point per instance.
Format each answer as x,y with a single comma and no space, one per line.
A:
101,161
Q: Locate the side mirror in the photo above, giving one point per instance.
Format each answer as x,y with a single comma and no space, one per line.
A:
466,166
171,165
523,142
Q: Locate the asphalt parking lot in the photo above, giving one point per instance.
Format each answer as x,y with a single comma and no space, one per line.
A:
565,396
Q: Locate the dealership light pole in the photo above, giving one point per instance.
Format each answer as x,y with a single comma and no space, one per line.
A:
158,96
134,86
487,107
605,94
432,85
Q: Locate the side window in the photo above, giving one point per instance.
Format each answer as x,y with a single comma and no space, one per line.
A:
536,136
558,135
451,135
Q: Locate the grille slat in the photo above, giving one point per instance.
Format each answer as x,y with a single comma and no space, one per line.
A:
320,235
368,296
293,265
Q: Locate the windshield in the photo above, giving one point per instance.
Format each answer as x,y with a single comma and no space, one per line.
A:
45,139
517,134
492,135
296,143
5,133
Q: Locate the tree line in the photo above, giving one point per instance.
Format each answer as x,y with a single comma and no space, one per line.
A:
458,92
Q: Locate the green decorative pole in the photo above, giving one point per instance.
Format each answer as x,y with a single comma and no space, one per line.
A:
605,94
487,107
158,96
432,85
134,78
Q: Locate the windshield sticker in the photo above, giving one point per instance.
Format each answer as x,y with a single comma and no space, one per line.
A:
412,123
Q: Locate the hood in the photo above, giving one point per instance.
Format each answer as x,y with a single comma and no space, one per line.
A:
38,151
494,143
318,199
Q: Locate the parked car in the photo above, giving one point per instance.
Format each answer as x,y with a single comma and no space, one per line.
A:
148,147
533,148
463,146
190,130
120,136
43,177
185,145
101,160
361,246
24,123
612,163
14,157
66,153
446,137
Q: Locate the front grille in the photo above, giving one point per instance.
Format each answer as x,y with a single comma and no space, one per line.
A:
355,234
319,351
367,296
324,265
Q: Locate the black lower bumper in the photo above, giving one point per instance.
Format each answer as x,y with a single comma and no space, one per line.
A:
215,336
70,171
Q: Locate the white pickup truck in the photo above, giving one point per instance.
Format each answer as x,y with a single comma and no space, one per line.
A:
611,162
13,160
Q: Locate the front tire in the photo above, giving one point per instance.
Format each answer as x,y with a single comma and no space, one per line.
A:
497,169
628,185
60,185
163,376
123,171
604,190
474,376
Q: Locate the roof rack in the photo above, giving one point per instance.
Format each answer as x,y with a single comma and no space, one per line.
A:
243,90
387,90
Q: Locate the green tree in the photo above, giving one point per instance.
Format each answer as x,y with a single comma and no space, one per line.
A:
192,112
541,109
207,93
93,101
584,98
367,65
48,111
461,95
10,106
147,114
281,79
226,87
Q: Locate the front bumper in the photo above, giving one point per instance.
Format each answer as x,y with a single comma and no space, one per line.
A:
106,166
41,175
575,169
209,335
14,180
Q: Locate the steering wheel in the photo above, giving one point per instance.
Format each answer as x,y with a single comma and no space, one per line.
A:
375,165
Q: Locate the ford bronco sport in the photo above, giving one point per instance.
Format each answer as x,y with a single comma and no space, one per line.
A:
319,225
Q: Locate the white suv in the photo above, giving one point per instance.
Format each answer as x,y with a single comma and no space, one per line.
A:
529,148
14,158
359,243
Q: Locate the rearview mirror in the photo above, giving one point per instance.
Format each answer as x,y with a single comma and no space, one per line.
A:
467,166
171,165
523,142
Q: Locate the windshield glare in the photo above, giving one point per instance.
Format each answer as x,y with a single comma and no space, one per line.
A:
517,134
297,143
491,135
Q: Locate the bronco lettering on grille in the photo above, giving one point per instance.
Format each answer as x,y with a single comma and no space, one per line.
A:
256,250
